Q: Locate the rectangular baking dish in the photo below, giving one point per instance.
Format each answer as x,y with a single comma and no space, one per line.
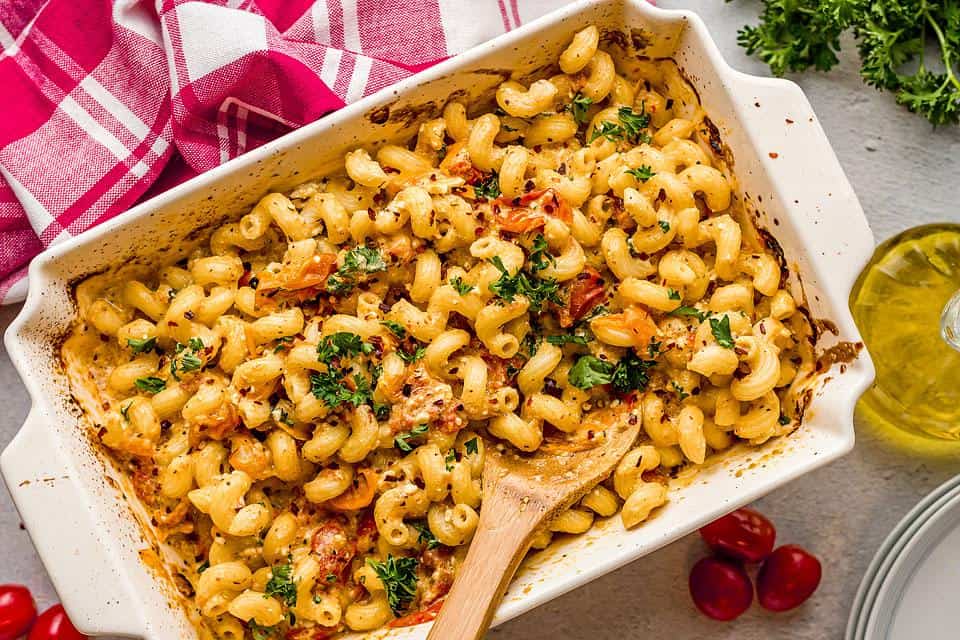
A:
105,566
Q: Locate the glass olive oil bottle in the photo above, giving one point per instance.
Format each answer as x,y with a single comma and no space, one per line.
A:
906,305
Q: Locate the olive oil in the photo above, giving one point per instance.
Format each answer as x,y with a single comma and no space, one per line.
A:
897,303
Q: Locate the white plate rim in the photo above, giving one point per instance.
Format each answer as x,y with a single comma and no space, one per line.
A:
889,550
914,548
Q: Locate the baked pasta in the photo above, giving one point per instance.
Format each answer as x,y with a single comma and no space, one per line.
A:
303,403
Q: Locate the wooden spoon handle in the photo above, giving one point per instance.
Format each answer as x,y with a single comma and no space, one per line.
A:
503,536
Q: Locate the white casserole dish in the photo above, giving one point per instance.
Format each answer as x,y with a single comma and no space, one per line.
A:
99,557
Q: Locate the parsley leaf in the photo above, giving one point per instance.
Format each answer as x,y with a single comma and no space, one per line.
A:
328,386
190,362
359,261
425,535
395,328
664,225
679,390
629,374
150,384
689,311
795,35
634,123
673,294
567,339
783,420
450,459
579,106
261,633
590,371
462,287
411,357
536,290
281,584
608,130
721,331
399,578
540,257
642,173
653,349
488,188
402,440
342,344
471,446
144,345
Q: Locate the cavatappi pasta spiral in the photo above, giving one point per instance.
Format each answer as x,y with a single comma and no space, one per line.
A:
303,403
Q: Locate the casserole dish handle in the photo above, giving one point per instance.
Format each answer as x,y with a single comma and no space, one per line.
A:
82,565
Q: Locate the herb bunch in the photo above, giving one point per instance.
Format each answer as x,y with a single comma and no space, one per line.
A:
894,38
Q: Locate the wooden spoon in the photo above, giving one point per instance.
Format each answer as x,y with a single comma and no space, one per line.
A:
521,494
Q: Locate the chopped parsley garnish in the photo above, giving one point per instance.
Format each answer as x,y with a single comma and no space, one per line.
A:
329,387
186,361
679,390
629,374
488,188
607,130
203,566
783,420
536,290
633,123
642,173
721,331
399,578
579,106
630,128
411,357
342,345
462,287
138,345
254,282
596,312
567,339
673,294
689,311
124,411
664,225
540,257
282,344
471,446
531,343
450,459
281,584
381,411
426,536
653,349
150,384
361,260
395,328
402,440
261,633
190,362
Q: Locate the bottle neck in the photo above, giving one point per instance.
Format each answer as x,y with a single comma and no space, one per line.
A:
950,322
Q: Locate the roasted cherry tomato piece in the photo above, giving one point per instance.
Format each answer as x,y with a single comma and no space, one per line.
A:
17,611
53,624
744,534
787,578
720,588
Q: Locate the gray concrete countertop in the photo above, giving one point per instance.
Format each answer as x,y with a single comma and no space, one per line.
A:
905,174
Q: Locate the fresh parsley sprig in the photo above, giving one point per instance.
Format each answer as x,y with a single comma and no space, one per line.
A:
537,290
630,373
399,578
358,262
892,38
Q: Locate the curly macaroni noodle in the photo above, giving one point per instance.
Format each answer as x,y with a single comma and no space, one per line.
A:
304,401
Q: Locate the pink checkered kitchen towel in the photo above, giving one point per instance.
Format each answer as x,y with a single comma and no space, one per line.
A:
107,103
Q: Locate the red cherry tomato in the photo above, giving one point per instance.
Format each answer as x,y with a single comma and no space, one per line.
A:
17,611
744,534
53,624
720,588
787,578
